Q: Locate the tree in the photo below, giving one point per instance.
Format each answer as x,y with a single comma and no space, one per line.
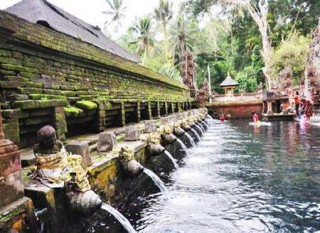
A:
143,37
292,53
182,36
258,10
116,13
164,14
276,21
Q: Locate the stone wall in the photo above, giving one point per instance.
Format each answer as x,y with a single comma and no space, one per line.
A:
236,110
44,74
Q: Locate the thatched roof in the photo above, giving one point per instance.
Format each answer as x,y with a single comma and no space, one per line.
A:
51,16
228,82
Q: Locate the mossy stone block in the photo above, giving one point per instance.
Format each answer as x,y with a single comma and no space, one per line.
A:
86,105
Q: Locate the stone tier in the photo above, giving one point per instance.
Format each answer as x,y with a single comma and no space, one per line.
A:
44,75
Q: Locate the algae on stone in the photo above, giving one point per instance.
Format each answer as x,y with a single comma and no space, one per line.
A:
86,105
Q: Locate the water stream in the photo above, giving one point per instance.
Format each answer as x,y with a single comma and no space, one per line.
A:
125,222
158,182
196,134
199,129
202,128
183,146
242,178
193,144
204,122
172,159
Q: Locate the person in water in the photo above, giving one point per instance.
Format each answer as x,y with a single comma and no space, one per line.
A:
222,118
255,117
297,102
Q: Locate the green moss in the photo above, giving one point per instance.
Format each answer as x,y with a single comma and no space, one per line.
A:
72,111
46,97
31,104
11,131
86,105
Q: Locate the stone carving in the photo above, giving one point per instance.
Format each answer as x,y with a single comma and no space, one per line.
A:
48,143
58,169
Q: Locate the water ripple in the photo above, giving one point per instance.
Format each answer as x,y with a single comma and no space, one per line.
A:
243,179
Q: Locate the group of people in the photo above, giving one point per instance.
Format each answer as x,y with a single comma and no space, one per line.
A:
303,107
223,118
255,117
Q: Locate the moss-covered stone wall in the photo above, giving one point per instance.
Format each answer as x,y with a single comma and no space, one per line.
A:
44,74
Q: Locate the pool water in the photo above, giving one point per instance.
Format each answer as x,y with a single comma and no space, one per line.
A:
240,178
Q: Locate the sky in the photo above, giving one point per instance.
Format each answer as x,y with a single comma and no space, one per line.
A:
91,10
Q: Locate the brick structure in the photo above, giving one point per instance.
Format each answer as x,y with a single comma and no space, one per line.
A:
14,207
236,109
44,74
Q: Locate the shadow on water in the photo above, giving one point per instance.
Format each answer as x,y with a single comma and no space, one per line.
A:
242,178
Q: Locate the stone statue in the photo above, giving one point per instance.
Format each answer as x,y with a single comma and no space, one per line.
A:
47,141
58,169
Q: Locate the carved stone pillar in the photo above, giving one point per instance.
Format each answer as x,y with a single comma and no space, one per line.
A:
269,108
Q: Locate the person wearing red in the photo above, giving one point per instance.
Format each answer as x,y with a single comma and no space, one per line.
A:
222,118
297,102
255,117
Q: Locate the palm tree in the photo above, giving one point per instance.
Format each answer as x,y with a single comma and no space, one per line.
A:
115,14
182,36
163,14
144,38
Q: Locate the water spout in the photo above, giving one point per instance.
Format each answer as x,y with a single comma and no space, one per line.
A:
168,138
196,135
158,182
183,146
201,127
186,128
198,129
129,165
134,167
156,149
205,125
178,131
172,159
190,139
85,203
123,220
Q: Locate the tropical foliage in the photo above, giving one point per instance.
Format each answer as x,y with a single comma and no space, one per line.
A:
115,14
251,39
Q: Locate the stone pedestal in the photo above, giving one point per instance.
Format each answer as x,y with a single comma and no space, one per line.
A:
106,141
150,126
80,148
132,134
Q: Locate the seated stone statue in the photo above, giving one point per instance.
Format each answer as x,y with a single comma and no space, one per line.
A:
51,160
47,141
58,169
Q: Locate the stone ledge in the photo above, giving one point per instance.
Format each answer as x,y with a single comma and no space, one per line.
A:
16,208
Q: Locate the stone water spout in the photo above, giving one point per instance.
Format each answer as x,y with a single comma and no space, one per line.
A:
129,165
154,146
57,169
178,131
185,126
167,135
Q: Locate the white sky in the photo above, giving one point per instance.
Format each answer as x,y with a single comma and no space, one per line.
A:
91,10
